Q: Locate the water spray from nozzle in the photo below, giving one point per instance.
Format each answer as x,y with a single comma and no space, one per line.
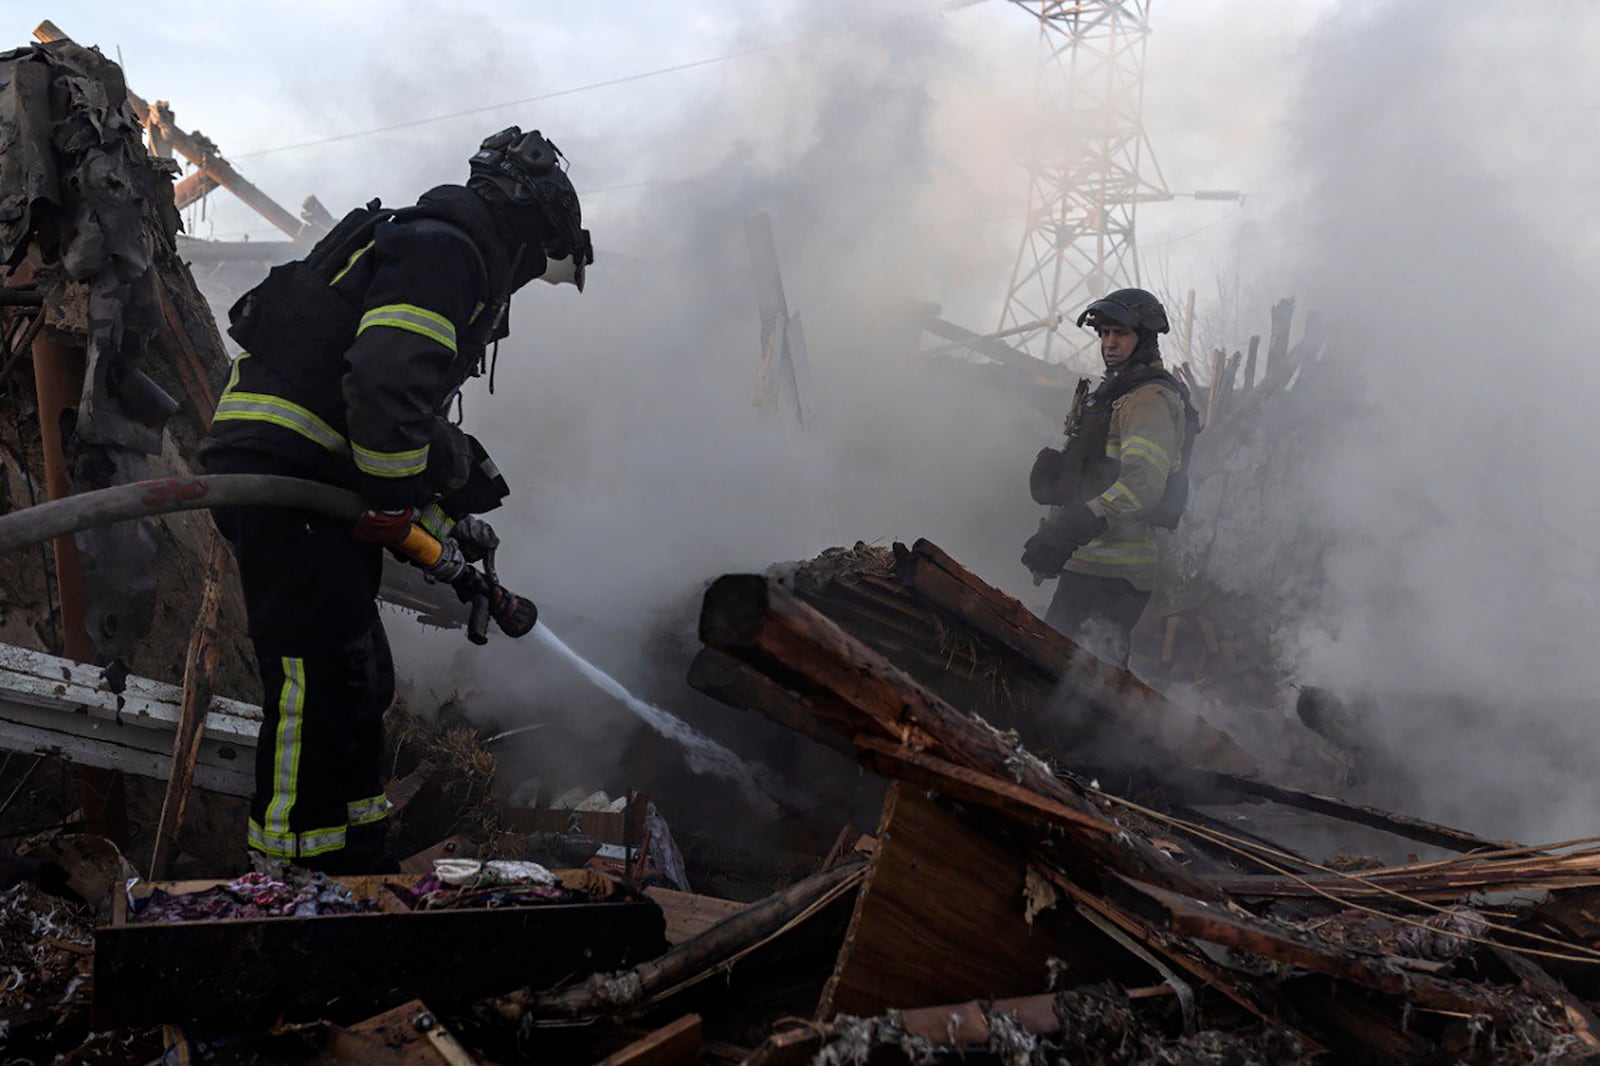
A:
704,755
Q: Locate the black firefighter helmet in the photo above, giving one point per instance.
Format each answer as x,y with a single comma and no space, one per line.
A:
522,174
1134,309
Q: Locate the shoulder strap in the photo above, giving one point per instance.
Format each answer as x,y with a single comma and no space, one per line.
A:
352,231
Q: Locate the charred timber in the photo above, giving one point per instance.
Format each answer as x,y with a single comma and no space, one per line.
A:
1243,932
1133,705
856,692
624,993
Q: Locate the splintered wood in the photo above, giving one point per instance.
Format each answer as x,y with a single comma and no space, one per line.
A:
995,876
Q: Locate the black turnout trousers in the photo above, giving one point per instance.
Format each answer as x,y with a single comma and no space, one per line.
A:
327,677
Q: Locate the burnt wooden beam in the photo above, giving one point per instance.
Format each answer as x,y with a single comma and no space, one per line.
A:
193,187
1423,832
1181,955
1134,706
729,681
966,1026
1242,932
611,994
1585,1027
979,789
856,691
1249,379
197,150
1430,881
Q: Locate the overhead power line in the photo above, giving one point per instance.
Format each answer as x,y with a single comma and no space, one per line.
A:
642,75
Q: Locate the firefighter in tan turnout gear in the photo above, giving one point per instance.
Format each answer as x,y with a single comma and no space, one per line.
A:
1121,475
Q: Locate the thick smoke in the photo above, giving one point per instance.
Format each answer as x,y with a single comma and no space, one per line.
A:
625,417
1430,194
1440,217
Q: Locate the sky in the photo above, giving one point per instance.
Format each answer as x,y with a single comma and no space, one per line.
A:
264,79
1420,170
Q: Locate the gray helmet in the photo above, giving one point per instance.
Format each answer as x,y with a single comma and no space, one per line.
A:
1132,308
526,170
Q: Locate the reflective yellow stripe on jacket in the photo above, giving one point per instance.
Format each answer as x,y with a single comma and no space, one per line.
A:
237,406
390,464
412,318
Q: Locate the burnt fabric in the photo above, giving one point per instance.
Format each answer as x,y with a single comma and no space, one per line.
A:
1097,612
328,677
79,190
255,895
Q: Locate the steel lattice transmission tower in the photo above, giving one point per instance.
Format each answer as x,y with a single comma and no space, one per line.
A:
1090,168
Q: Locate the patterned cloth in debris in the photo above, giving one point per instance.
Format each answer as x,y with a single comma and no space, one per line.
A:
255,895
460,883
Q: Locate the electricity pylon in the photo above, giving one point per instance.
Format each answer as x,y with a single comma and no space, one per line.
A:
1090,167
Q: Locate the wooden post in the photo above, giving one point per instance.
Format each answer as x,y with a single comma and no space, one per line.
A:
1214,387
1278,339
1250,365
199,674
1188,327
58,370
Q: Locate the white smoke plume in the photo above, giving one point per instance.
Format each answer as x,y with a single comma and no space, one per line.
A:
1442,215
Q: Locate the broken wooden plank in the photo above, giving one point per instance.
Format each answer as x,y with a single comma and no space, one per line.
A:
1580,1018
971,786
1400,825
1431,881
688,915
213,971
199,673
941,917
408,1035
674,1044
1186,738
855,690
1216,924
51,704
421,863
610,994
958,1026
1181,956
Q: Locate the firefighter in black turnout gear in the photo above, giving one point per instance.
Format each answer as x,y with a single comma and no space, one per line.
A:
352,358
1122,474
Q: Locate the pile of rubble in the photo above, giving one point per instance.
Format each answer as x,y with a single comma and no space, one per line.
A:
1067,864
1103,906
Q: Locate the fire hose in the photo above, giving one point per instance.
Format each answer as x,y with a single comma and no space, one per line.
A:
480,589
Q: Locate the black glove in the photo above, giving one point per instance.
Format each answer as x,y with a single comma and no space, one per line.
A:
1045,474
476,537
1048,550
